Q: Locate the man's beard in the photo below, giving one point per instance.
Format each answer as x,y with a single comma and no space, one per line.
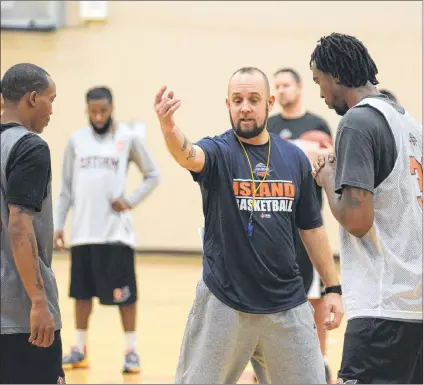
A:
257,130
102,130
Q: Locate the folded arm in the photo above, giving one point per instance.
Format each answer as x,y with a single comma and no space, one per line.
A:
353,209
350,189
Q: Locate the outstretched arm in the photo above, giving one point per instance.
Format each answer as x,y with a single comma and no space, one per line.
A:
187,154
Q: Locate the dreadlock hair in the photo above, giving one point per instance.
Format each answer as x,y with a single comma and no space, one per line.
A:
389,94
346,59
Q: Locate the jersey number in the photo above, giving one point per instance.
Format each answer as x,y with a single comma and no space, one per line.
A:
416,168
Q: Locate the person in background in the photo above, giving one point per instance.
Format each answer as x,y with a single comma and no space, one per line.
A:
94,179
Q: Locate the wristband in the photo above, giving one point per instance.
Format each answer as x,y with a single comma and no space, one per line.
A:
334,289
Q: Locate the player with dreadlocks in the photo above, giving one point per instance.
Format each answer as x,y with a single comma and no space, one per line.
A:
374,191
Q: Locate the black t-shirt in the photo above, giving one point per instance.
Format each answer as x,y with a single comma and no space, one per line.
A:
291,129
256,274
28,171
365,148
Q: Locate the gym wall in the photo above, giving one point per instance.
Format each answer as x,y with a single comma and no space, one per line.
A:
193,47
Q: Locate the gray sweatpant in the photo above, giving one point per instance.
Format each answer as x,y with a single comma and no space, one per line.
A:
219,342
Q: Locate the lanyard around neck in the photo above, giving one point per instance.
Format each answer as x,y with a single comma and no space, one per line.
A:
255,190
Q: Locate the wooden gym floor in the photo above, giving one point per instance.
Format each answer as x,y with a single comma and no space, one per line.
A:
166,291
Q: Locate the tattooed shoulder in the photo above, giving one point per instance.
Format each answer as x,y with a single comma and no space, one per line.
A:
192,153
185,144
352,196
24,210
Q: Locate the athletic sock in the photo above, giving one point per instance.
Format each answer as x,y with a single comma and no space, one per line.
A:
81,340
131,338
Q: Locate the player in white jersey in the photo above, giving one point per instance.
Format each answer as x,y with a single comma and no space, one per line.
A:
291,124
375,192
94,178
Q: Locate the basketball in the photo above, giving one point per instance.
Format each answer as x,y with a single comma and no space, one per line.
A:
317,136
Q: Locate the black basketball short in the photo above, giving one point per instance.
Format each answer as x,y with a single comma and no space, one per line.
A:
23,363
105,271
381,351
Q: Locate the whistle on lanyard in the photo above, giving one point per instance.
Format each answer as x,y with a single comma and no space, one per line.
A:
249,229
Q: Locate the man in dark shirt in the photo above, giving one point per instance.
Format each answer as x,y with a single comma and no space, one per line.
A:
374,191
30,341
293,121
257,189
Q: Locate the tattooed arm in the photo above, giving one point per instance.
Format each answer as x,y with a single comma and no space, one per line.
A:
27,177
25,252
188,155
350,181
353,209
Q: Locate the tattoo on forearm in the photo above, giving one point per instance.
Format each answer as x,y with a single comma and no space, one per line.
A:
192,153
33,242
25,210
185,144
352,200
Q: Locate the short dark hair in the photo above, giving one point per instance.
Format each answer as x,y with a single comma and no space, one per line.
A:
346,59
21,79
251,70
291,71
97,93
389,95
